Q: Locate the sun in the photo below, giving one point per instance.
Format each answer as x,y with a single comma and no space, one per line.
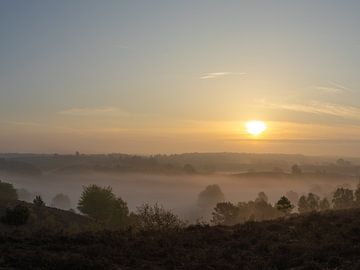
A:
255,127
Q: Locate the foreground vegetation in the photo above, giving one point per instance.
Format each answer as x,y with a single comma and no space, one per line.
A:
326,240
324,234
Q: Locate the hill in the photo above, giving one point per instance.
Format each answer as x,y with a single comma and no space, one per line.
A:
327,240
47,219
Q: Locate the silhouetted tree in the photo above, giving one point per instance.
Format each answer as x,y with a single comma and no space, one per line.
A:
209,197
313,202
284,205
324,204
303,206
343,198
101,204
308,203
38,201
225,213
7,192
262,210
61,201
96,202
156,218
119,215
16,216
296,170
262,197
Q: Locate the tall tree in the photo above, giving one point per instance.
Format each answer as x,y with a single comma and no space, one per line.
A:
284,205
313,202
96,202
343,198
225,213
324,204
101,204
303,206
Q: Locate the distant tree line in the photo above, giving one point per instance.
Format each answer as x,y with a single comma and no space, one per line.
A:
109,211
227,213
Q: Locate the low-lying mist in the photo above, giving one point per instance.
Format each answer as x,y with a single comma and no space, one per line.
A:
178,193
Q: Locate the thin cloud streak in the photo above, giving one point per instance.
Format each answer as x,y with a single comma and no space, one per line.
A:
332,87
316,107
214,75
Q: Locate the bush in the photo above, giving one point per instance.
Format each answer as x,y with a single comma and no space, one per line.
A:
156,218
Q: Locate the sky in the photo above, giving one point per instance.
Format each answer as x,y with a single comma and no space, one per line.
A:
155,76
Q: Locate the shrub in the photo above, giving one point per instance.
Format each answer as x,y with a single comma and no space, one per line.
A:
157,218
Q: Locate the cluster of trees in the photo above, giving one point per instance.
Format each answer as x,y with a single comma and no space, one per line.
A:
107,210
227,213
342,198
101,204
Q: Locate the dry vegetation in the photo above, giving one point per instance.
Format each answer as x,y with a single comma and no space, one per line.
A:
327,240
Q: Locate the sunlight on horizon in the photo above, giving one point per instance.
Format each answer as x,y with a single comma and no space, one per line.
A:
255,127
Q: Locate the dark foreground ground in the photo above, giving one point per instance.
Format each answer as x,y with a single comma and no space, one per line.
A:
330,240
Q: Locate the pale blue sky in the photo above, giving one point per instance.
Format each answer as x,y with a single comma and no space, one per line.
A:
174,76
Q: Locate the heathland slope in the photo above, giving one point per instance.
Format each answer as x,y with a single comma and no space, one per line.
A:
327,240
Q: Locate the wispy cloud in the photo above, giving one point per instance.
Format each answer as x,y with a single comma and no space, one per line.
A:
91,111
332,87
214,75
316,107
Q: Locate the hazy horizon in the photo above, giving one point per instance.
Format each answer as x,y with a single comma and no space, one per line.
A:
181,76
